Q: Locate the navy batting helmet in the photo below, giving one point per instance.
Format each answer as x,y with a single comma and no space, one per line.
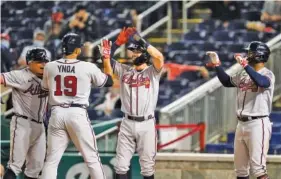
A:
144,58
136,47
37,54
257,52
70,42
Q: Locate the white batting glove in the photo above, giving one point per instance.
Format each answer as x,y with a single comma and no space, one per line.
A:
105,48
242,61
214,59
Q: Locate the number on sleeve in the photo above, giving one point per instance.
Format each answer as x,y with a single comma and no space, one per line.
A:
70,83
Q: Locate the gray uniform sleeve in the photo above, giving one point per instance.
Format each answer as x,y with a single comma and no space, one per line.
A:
156,73
271,78
118,68
14,79
97,76
235,80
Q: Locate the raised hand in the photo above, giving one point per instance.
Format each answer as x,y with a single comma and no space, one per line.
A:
124,35
105,48
214,59
241,60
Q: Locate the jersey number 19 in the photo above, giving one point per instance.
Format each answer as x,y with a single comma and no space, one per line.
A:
70,84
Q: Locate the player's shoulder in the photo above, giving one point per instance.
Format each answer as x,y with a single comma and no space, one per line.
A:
19,72
267,72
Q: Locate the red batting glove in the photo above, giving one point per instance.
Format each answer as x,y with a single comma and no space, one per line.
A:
242,61
105,48
122,38
124,35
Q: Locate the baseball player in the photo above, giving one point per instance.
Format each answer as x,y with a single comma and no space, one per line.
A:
69,82
139,86
255,86
27,141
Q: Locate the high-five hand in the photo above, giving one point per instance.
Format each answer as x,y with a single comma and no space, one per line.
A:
242,61
214,59
105,48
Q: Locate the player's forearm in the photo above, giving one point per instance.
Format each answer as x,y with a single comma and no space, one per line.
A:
223,77
157,57
107,67
260,80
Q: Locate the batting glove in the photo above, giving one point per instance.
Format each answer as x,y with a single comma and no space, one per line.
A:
242,61
124,35
105,48
214,59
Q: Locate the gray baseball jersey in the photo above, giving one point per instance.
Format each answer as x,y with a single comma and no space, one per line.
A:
28,97
251,100
139,94
28,141
139,90
76,77
69,81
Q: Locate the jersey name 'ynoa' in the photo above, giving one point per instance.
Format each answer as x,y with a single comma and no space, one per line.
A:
66,69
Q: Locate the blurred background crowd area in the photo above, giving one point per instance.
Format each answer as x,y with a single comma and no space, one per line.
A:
222,26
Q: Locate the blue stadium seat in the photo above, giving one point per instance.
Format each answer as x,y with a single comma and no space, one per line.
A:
275,139
216,148
30,12
229,148
25,33
190,75
116,113
190,56
176,46
94,114
251,36
206,47
235,48
236,25
275,117
195,36
223,36
276,128
251,15
230,137
225,57
208,25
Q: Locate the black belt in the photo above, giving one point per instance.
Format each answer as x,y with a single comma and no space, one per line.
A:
249,118
72,105
25,117
139,118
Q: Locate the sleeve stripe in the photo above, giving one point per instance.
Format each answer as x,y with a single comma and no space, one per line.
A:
4,79
103,82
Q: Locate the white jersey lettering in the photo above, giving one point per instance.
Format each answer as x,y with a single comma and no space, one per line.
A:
139,89
70,81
